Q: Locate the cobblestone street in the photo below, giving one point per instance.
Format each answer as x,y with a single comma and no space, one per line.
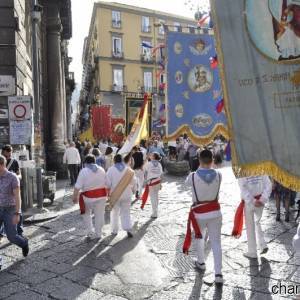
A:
62,265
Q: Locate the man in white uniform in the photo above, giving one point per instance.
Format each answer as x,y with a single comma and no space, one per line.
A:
153,172
205,183
122,207
91,183
255,191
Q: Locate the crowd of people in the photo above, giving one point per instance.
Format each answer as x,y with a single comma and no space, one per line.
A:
103,178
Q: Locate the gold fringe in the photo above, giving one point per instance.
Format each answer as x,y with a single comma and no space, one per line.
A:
198,140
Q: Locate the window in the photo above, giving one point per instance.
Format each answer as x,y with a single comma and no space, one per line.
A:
161,29
117,46
177,26
146,51
146,24
148,81
116,19
117,79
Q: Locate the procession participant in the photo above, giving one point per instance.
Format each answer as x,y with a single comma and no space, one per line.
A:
121,181
91,193
109,157
138,169
143,148
205,215
255,193
153,172
10,205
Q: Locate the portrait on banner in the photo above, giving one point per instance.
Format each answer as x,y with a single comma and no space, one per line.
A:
200,79
280,20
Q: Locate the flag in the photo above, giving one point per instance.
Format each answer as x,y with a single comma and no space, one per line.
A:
146,45
262,96
213,62
220,106
139,129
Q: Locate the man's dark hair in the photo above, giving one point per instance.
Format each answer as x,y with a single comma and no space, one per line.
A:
7,148
108,150
206,156
156,156
118,158
90,159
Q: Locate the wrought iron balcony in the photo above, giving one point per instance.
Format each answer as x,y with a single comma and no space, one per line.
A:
148,59
146,28
116,23
117,54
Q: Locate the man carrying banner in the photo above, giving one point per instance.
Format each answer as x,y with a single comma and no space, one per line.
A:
121,181
93,196
255,192
205,214
153,171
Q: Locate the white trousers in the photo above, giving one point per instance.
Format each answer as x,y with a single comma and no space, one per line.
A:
98,208
213,228
139,174
122,210
253,228
153,193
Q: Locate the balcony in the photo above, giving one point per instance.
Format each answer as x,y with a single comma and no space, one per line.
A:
116,23
147,59
118,88
117,54
146,28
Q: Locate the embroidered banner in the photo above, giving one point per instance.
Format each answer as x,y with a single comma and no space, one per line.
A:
194,88
259,52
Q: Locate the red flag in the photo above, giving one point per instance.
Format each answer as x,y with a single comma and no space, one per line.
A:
220,106
213,62
238,220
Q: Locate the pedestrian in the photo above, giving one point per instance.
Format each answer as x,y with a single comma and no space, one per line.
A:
100,160
205,215
91,193
193,158
12,165
73,160
153,173
10,206
255,192
121,181
109,157
138,169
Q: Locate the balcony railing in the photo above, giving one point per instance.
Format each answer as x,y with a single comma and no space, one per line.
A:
146,28
117,54
147,58
118,88
116,23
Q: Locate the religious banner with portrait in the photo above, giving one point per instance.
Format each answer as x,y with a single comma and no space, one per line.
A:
193,89
258,43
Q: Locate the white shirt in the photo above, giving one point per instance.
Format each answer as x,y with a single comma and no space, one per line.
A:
296,240
144,151
102,147
253,186
205,192
113,177
153,170
72,156
88,180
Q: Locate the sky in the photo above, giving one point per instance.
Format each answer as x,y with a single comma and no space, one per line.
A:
82,13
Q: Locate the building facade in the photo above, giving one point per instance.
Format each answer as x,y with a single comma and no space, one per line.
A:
34,38
118,55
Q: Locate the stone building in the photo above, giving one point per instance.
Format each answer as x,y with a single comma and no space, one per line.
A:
34,38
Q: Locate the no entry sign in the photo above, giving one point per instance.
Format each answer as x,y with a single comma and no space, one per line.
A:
19,108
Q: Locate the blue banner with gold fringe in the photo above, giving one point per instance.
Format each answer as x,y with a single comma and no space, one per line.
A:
194,94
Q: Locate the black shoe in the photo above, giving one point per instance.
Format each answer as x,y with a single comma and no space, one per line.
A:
137,195
25,250
129,234
264,251
278,217
287,218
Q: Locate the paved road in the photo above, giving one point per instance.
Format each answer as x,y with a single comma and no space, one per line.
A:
61,265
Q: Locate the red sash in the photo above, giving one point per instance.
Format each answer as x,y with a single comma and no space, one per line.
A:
239,219
98,193
145,195
204,207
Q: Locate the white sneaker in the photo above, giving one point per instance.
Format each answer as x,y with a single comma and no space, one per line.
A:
250,255
219,279
200,266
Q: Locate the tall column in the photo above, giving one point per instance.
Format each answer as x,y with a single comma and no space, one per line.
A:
56,126
63,54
